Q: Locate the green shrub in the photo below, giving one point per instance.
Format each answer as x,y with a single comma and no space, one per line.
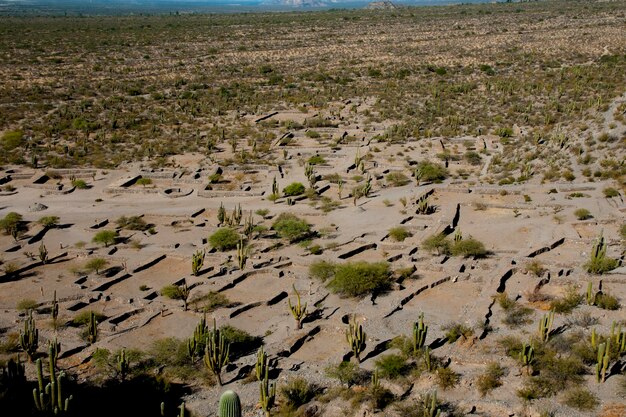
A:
582,214
454,331
26,304
83,318
209,302
391,366
144,181
437,242
290,227
49,221
610,192
581,399
472,158
397,179
241,342
429,171
468,247
12,139
80,184
294,189
172,292
316,160
105,237
607,301
11,223
399,233
96,265
600,266
132,223
347,373
224,239
322,270
536,268
567,303
298,391
490,379
360,278
446,378
515,314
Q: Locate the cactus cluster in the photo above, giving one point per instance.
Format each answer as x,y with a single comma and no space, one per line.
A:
216,352
197,260
419,334
49,398
310,174
431,408
29,338
602,364
248,226
13,374
298,311
423,207
197,343
261,367
233,220
545,326
267,394
356,338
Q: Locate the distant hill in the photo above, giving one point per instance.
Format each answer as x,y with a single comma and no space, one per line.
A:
301,3
381,5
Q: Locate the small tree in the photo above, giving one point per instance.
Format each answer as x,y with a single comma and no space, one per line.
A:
293,189
144,181
290,227
49,221
224,239
96,265
105,237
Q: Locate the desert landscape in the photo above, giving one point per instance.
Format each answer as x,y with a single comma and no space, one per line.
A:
415,211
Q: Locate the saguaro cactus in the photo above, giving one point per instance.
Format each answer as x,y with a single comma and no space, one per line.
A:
527,356
123,365
267,395
197,343
545,326
197,260
298,311
419,334
221,214
356,338
29,338
431,409
590,297
262,367
229,405
243,251
603,360
92,328
216,352
43,253
54,311
49,399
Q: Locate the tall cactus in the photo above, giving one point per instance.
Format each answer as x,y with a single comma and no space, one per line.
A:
43,253
367,188
419,334
14,374
197,260
618,337
54,348
92,328
458,236
274,187
262,366
54,311
216,352
298,311
230,405
221,214
197,343
123,365
428,363
267,395
590,296
49,398
527,357
602,364
545,326
431,408
29,338
248,226
243,252
356,338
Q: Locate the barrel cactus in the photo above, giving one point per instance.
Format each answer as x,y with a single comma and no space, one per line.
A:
230,406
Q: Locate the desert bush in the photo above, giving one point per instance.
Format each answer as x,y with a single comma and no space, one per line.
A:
291,227
399,233
437,242
515,314
446,378
610,192
293,189
322,270
454,331
82,318
10,343
79,184
582,214
347,373
105,237
429,171
144,181
468,247
392,366
172,292
224,239
536,268
360,278
96,265
48,221
567,303
132,223
581,399
491,378
26,304
472,158
209,302
11,223
316,159
241,342
397,179
602,265
607,301
298,391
